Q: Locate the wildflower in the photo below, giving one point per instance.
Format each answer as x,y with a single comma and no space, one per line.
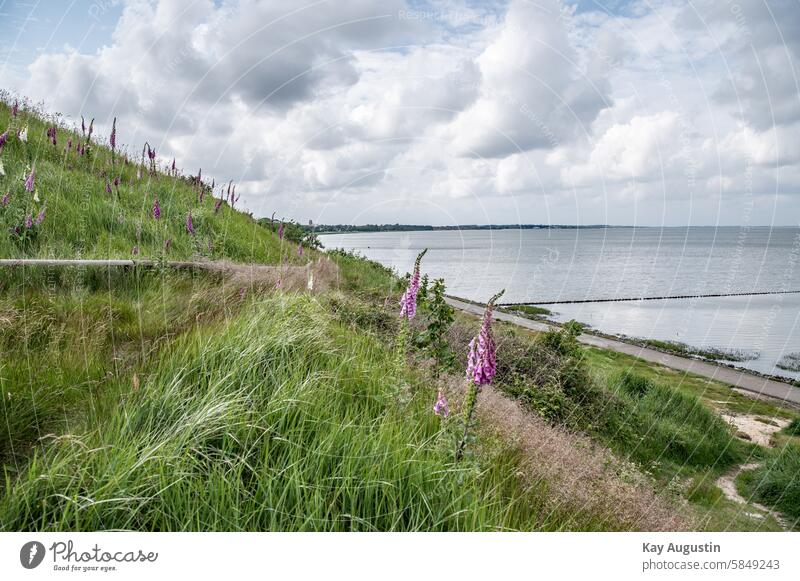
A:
83,127
189,224
23,134
217,205
408,302
440,408
481,369
40,216
135,251
51,134
156,209
280,231
113,139
5,200
108,186
28,221
299,250
36,197
3,140
69,143
30,182
15,109
167,243
151,153
2,168
91,128
173,165
482,357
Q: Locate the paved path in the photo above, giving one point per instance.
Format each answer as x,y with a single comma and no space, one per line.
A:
740,379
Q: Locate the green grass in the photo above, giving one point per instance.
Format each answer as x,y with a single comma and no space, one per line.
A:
529,310
776,483
282,419
83,220
68,336
712,353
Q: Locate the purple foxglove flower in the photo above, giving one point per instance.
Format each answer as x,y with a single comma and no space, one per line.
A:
69,143
408,302
30,182
482,357
189,224
91,128
156,210
280,231
83,127
151,153
3,140
440,408
113,139
173,165
108,186
217,205
28,221
116,182
15,109
40,216
6,198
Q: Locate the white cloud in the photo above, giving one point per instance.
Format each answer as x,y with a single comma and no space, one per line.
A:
355,109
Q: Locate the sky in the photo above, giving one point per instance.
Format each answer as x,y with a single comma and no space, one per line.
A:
672,113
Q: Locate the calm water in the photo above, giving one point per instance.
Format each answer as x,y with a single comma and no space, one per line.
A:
551,265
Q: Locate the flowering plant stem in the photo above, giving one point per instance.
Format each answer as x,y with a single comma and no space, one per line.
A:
469,410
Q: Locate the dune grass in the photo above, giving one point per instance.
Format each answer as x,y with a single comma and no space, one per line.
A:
776,482
282,419
68,337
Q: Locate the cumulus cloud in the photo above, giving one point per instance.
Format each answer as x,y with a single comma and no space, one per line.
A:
450,111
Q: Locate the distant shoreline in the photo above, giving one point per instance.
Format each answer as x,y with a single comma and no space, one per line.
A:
323,229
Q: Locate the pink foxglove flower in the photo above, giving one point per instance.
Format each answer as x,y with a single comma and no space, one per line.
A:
40,216
408,302
3,140
15,109
280,231
113,139
28,221
217,205
440,408
482,357
30,182
189,224
5,199
156,209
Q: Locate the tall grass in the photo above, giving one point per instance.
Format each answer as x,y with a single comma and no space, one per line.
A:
776,483
70,338
280,420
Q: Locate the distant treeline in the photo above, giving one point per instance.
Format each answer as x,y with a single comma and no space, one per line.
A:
344,228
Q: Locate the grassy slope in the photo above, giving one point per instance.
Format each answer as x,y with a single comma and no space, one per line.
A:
669,427
83,220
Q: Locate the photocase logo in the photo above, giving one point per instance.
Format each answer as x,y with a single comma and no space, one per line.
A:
31,554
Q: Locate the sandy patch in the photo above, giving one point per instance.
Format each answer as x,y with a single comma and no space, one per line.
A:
751,428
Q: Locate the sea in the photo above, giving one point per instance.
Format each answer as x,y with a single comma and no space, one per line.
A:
585,264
